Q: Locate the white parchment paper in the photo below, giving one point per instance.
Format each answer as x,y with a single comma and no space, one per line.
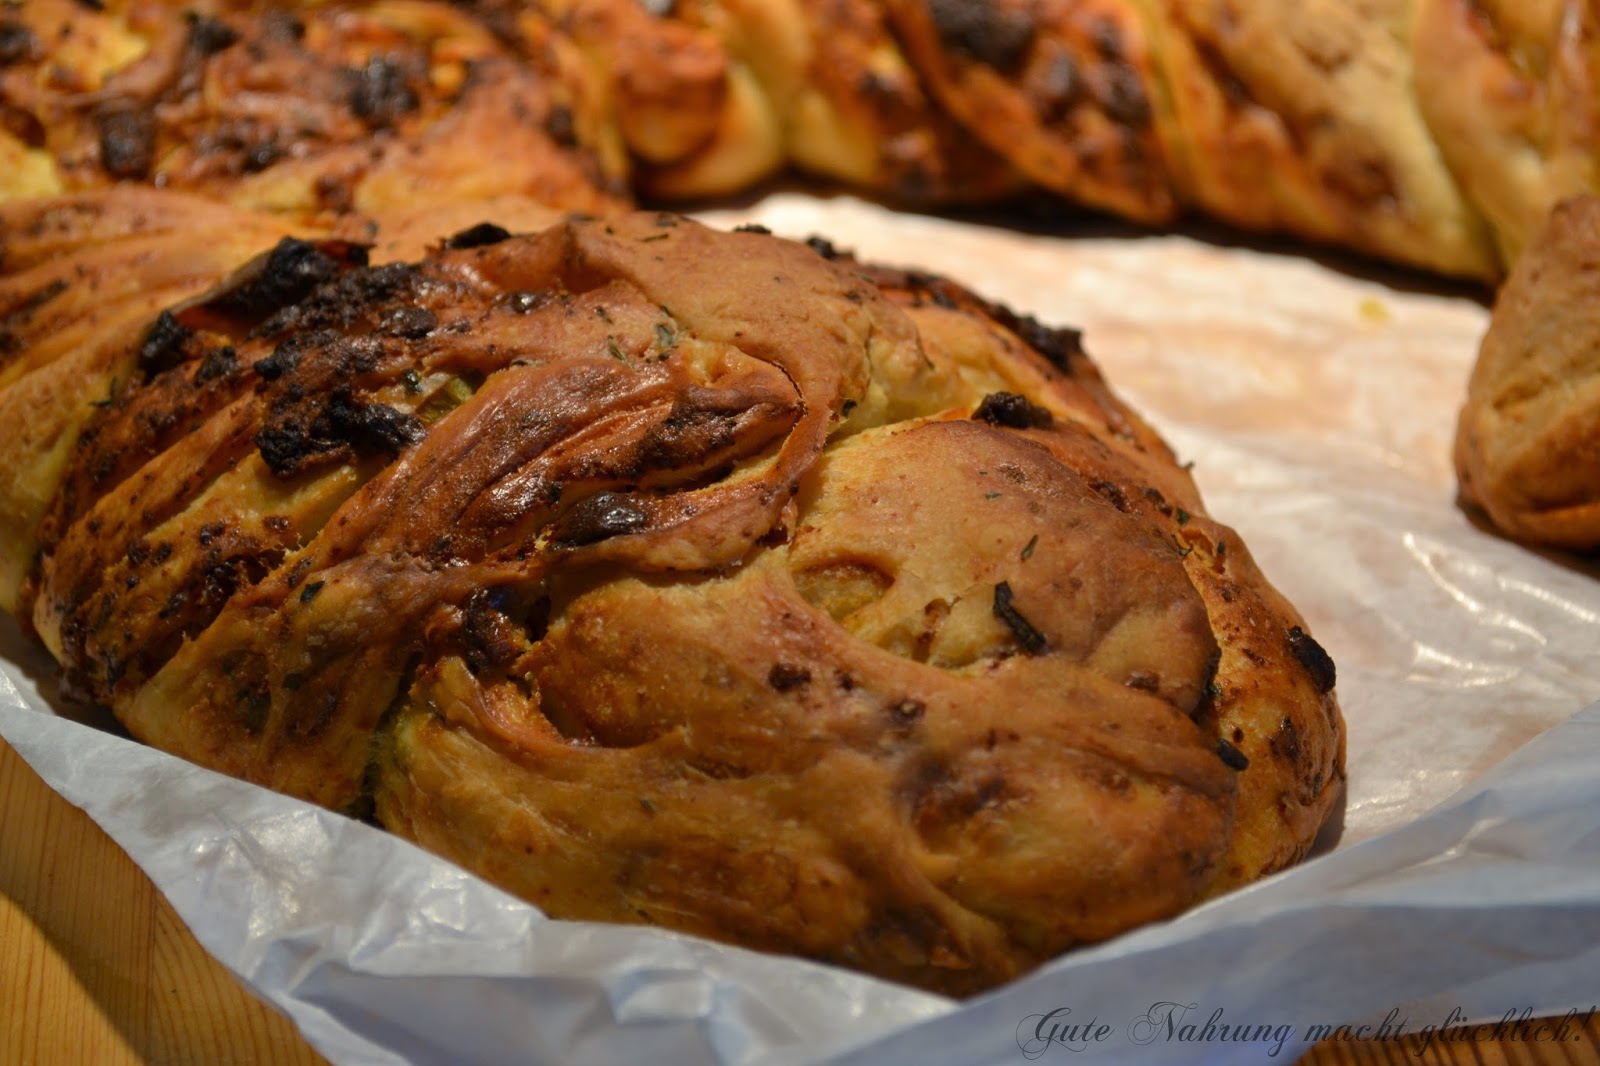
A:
1318,406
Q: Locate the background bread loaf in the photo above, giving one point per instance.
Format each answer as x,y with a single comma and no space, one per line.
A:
1427,132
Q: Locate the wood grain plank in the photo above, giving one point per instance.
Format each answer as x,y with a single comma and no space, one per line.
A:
95,966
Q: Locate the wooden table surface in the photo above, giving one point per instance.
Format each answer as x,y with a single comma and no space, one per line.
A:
95,967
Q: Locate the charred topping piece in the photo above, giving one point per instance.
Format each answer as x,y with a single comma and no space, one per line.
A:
940,290
479,236
524,303
1231,756
1113,494
284,358
208,36
17,43
825,248
163,345
1059,345
347,300
1031,639
786,676
1012,410
219,363
1318,663
127,140
287,275
379,92
601,517
295,439
412,323
985,31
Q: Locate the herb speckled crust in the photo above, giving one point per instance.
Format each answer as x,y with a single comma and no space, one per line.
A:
666,575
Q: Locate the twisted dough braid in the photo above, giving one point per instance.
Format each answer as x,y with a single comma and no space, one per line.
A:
1436,133
664,575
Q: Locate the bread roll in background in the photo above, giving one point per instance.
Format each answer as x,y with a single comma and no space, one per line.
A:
1528,441
1431,133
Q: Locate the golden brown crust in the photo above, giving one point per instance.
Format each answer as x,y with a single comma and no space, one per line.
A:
1062,88
701,579
1301,118
1528,441
85,275
1435,134
1511,93
312,112
848,103
657,574
688,115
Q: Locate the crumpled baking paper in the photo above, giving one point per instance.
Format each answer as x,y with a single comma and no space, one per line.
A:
1318,403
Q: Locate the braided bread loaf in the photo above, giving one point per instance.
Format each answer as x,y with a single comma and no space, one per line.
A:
1435,133
664,575
1429,132
499,706
153,148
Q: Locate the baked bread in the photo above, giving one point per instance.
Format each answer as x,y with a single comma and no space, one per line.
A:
1528,440
313,112
666,575
1510,90
347,137
1432,133
83,278
845,103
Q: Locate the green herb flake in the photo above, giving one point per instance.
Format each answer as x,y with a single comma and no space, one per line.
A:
455,392
1183,517
413,381
647,805
1033,542
615,349
991,495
